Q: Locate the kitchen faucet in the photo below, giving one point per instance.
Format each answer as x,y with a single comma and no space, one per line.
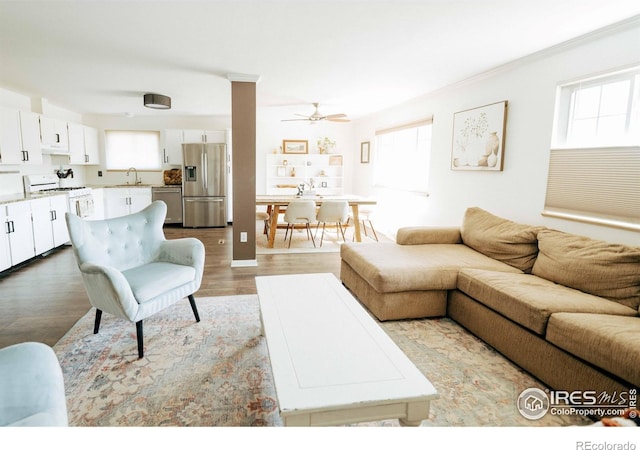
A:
136,182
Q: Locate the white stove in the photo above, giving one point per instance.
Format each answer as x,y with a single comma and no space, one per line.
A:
80,197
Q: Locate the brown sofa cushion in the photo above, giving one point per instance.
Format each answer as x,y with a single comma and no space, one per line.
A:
610,342
601,268
389,267
510,242
530,300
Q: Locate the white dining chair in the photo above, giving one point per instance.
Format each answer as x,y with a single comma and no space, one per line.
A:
365,213
332,211
300,212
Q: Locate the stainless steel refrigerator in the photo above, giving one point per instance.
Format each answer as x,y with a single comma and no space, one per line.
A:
204,185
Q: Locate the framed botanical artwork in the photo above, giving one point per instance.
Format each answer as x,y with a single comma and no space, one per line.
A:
365,152
295,147
478,138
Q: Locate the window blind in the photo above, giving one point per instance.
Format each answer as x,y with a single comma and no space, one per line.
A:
595,185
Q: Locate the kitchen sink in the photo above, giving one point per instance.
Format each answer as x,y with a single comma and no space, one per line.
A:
129,185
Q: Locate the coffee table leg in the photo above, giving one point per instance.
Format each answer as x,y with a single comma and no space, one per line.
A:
416,413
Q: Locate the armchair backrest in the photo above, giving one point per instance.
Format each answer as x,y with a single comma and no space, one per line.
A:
122,242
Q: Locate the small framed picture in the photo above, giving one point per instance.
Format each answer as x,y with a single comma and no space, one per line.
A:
323,184
364,152
295,147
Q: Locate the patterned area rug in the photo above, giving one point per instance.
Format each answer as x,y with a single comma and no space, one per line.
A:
217,373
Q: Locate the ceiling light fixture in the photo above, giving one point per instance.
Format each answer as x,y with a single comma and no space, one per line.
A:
157,101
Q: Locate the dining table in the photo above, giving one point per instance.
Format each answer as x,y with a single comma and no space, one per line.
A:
277,203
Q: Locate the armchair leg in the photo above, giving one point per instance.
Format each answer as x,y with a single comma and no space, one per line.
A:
140,339
96,325
194,308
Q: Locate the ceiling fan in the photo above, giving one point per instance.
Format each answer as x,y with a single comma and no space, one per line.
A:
317,117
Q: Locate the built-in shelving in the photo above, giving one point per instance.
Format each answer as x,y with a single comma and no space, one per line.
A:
322,173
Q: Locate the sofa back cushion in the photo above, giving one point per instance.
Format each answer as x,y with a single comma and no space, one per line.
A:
509,242
597,267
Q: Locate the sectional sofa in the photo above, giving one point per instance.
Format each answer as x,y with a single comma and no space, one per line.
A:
561,306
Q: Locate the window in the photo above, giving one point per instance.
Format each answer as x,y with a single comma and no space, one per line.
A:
600,111
127,148
402,157
594,165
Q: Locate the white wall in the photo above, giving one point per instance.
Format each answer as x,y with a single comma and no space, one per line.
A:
529,86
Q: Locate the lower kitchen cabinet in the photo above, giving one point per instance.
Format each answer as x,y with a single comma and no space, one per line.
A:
49,227
123,201
5,247
19,229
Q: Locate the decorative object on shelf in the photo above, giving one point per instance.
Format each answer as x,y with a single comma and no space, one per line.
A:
364,152
335,160
293,171
157,101
478,138
295,146
325,145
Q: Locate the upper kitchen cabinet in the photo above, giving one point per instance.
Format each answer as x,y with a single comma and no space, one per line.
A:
54,135
30,136
83,144
191,136
91,147
172,149
173,140
10,150
19,137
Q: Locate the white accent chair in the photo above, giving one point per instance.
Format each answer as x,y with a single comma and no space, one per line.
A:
130,270
300,211
31,387
333,211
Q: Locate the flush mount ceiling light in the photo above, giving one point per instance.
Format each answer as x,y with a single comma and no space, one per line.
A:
157,101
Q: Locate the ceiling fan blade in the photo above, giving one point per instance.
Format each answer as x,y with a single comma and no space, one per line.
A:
338,120
294,120
335,116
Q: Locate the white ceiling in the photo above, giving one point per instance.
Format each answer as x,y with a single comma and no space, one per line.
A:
354,57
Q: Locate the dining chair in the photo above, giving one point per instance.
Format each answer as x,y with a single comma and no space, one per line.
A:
333,211
263,216
130,270
300,212
365,213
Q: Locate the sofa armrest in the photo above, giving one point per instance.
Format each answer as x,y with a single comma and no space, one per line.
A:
428,235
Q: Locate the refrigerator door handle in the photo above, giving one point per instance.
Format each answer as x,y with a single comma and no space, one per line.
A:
205,166
204,199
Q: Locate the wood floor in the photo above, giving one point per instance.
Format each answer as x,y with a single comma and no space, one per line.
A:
43,299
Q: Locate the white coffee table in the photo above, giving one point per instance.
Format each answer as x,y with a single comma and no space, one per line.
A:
332,363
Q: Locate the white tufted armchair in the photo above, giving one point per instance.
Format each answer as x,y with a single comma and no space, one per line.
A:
130,270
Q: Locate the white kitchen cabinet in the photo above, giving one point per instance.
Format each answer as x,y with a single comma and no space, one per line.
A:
210,136
98,204
54,136
83,144
19,137
18,227
5,248
49,227
172,148
10,149
30,137
123,201
76,143
91,147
